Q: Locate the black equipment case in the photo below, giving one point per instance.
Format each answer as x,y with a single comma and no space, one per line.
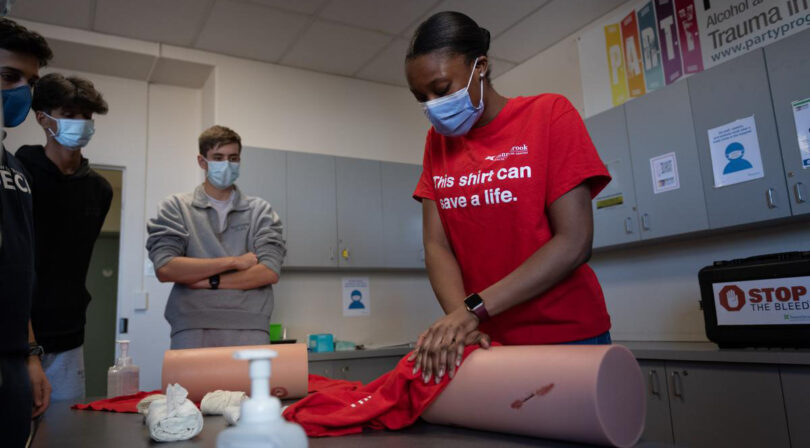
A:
761,301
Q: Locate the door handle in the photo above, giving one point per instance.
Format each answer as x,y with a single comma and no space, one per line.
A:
655,388
769,195
798,189
645,221
677,385
628,225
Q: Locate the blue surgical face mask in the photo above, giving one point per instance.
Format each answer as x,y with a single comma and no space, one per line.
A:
222,174
16,104
454,115
72,133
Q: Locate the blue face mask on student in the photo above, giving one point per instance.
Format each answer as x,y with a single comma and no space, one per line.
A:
454,115
16,104
222,174
72,133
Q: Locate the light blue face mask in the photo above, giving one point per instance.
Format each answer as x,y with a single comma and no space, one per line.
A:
454,115
222,174
72,133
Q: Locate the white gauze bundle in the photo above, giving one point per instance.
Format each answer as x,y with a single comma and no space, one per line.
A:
174,418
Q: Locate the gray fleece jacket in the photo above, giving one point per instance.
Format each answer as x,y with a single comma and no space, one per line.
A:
187,225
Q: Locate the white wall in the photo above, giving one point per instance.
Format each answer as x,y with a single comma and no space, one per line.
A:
278,107
651,291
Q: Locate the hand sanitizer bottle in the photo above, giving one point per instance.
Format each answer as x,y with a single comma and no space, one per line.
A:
261,423
124,377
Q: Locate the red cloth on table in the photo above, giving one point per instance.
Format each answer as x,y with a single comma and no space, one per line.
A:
392,401
124,403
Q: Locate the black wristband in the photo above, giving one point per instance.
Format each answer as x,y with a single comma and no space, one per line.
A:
214,281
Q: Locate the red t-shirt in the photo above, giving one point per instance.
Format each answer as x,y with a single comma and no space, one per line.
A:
493,188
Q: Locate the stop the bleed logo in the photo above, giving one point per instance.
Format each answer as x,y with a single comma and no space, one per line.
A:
734,298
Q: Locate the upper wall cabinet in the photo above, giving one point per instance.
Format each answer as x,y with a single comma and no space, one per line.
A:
263,173
359,213
402,216
311,211
669,190
615,219
737,90
789,72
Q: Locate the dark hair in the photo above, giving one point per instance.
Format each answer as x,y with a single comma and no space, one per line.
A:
216,136
54,91
451,32
19,39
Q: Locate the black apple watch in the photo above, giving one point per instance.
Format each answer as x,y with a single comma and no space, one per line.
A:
475,305
214,281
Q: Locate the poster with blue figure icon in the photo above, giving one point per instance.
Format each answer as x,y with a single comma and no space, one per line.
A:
801,115
356,297
735,152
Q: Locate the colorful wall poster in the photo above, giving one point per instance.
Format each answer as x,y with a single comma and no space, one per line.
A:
632,56
650,48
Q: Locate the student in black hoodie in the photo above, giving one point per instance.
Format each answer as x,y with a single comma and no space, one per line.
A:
71,201
22,53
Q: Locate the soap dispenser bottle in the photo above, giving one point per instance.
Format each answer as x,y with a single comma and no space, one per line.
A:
261,423
124,377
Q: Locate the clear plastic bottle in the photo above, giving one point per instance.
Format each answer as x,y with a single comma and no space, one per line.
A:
261,424
124,377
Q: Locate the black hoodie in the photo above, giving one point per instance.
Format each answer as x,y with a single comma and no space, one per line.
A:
16,256
69,211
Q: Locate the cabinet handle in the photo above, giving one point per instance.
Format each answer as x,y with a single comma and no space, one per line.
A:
331,253
654,384
798,188
769,195
645,221
677,386
628,225
345,369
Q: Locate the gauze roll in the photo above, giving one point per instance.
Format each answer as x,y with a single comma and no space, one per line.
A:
215,403
143,405
173,418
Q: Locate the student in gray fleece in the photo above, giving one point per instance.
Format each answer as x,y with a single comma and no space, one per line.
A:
222,249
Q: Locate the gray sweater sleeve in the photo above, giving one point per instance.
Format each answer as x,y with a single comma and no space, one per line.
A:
168,235
268,242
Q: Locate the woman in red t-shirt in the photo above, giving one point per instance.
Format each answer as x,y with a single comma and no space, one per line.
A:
506,193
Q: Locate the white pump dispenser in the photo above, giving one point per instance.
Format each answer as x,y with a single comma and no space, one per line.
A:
123,378
261,423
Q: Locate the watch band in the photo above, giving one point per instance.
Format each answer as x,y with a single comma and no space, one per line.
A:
475,305
214,281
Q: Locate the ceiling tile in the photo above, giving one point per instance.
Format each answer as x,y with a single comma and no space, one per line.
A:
495,16
175,22
74,14
389,66
498,67
303,6
388,16
250,30
552,23
335,48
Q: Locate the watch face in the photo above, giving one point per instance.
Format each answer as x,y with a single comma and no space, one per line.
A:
473,301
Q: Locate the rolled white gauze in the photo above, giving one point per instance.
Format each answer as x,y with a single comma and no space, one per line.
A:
173,418
215,403
581,393
203,370
232,414
143,405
